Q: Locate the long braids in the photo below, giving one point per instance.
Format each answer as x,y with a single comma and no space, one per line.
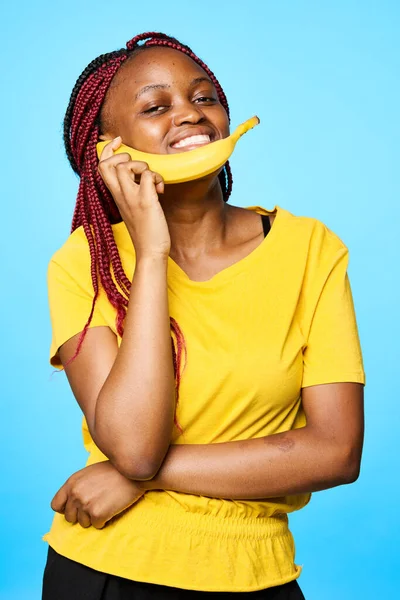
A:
95,209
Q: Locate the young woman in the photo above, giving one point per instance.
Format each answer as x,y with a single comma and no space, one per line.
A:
201,443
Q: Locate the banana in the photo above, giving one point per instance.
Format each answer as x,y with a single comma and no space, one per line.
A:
193,164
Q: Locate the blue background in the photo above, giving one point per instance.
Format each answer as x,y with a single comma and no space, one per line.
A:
324,79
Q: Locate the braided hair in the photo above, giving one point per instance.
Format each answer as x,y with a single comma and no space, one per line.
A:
95,209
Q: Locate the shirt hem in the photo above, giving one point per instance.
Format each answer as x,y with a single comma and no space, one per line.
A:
352,377
259,587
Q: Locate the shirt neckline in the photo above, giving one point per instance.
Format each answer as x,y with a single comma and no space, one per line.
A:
228,273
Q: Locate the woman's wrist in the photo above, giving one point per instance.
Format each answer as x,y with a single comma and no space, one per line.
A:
148,260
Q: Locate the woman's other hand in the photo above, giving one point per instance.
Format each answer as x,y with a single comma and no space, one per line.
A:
96,494
135,190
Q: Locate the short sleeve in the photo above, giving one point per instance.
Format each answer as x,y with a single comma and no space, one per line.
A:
70,303
332,352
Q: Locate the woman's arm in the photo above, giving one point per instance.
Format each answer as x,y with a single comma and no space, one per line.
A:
323,454
128,394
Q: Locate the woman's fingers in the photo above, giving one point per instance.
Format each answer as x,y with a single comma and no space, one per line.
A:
109,149
148,183
71,512
131,171
151,180
59,501
98,522
121,174
107,169
136,182
152,176
135,191
83,518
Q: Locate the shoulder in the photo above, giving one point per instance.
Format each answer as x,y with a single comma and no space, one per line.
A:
303,243
74,248
311,234
303,230
75,254
70,265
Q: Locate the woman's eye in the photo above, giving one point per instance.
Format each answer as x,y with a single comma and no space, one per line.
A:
205,99
154,109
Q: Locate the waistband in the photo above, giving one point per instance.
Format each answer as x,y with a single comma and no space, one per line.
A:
176,519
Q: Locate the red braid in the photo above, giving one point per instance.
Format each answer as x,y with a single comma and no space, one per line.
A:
95,209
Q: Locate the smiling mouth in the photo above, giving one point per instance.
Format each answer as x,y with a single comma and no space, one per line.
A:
192,142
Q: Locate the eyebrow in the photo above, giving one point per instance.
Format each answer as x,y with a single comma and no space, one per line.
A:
163,86
200,80
155,86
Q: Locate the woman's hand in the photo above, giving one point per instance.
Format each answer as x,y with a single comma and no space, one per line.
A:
135,191
96,494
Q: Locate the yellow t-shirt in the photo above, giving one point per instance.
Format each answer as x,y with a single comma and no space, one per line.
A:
280,319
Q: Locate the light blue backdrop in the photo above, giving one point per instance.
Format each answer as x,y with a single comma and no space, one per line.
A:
323,77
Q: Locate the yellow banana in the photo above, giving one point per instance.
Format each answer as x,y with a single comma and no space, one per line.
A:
192,164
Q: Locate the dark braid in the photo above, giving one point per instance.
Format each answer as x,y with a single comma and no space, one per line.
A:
95,209
69,114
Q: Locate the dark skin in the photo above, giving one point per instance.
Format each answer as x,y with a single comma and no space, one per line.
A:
207,234
192,224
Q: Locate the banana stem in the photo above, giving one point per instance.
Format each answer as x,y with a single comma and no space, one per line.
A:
244,127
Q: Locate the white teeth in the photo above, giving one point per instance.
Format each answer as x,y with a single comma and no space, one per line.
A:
192,140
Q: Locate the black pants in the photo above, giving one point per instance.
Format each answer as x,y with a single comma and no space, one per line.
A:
65,579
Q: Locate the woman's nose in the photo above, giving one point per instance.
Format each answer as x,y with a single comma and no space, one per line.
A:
187,112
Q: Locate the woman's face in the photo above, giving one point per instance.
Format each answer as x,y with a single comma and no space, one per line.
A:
162,102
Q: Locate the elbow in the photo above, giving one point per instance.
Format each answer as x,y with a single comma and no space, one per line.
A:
136,461
137,464
349,466
135,468
133,463
351,473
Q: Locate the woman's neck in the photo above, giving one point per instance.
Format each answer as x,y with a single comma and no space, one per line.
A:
196,218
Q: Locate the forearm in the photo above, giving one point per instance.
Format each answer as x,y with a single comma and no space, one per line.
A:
135,407
293,462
